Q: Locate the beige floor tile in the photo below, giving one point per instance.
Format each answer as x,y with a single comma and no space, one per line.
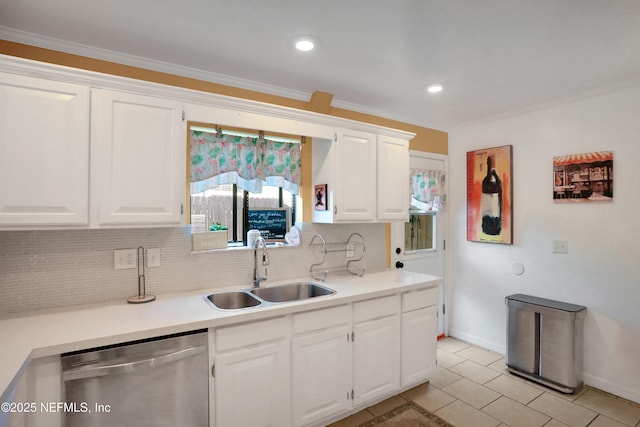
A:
499,366
442,377
460,414
514,389
447,359
563,410
475,372
472,393
429,397
354,420
515,414
610,405
479,355
555,423
452,345
386,405
603,421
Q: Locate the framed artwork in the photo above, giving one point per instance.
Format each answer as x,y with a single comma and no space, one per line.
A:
320,191
586,177
490,195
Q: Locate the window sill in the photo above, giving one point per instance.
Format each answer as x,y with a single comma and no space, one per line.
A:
240,247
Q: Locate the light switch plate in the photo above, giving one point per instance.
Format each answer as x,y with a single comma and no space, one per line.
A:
153,257
349,250
560,247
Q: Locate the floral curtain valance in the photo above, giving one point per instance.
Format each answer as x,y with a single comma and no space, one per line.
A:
428,188
248,162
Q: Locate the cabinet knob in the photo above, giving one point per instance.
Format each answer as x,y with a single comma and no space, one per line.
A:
399,264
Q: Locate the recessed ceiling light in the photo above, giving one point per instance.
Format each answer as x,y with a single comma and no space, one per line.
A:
305,44
435,88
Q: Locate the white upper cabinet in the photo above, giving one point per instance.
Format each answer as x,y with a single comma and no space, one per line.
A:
44,152
137,160
393,179
367,178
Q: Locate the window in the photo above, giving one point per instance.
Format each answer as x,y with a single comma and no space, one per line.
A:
420,231
225,205
234,172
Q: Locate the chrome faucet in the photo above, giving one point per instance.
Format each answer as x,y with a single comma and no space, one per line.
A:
257,278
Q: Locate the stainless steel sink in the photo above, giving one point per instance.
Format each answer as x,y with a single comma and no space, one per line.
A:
292,292
233,300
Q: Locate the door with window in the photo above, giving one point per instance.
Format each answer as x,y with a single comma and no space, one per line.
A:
419,244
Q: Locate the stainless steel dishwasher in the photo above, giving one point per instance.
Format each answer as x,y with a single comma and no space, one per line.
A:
156,382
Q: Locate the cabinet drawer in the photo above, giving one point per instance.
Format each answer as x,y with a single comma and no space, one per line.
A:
376,308
251,333
321,319
419,299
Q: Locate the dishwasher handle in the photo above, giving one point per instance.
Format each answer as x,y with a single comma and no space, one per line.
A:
129,367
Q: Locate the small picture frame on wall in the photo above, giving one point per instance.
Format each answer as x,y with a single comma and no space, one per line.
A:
490,195
320,191
586,177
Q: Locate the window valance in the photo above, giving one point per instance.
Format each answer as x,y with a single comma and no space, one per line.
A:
250,163
428,188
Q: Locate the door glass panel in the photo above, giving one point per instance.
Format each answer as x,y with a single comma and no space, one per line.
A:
420,231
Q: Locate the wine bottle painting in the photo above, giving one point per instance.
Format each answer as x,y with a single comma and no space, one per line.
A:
489,195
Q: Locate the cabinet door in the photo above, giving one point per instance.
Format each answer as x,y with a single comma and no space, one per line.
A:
419,343
252,386
376,358
44,152
393,179
138,159
355,192
321,382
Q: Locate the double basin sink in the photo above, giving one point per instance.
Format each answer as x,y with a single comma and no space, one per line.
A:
254,297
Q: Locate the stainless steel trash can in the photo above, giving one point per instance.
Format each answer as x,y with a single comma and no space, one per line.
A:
544,341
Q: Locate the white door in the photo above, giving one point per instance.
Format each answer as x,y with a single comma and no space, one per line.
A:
428,261
137,161
376,358
252,386
418,345
44,152
393,191
321,378
355,197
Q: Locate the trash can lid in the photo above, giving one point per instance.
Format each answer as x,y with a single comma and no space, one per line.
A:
558,305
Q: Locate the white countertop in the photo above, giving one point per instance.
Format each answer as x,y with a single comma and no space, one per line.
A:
26,336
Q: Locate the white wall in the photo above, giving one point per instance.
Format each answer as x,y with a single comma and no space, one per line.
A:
601,270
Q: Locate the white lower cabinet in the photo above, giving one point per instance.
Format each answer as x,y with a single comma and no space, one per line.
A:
376,348
251,375
419,335
307,368
419,327
321,364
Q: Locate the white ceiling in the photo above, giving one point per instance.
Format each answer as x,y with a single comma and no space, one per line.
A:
494,57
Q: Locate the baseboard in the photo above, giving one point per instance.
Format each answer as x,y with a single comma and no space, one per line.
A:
628,393
473,339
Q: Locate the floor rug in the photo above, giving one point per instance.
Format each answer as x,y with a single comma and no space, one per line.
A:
407,415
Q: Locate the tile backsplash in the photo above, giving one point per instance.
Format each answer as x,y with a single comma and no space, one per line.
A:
59,268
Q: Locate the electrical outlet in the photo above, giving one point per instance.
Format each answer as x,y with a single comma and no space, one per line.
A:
153,257
125,258
560,247
349,252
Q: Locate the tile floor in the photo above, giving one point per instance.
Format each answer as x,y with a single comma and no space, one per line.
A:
472,388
